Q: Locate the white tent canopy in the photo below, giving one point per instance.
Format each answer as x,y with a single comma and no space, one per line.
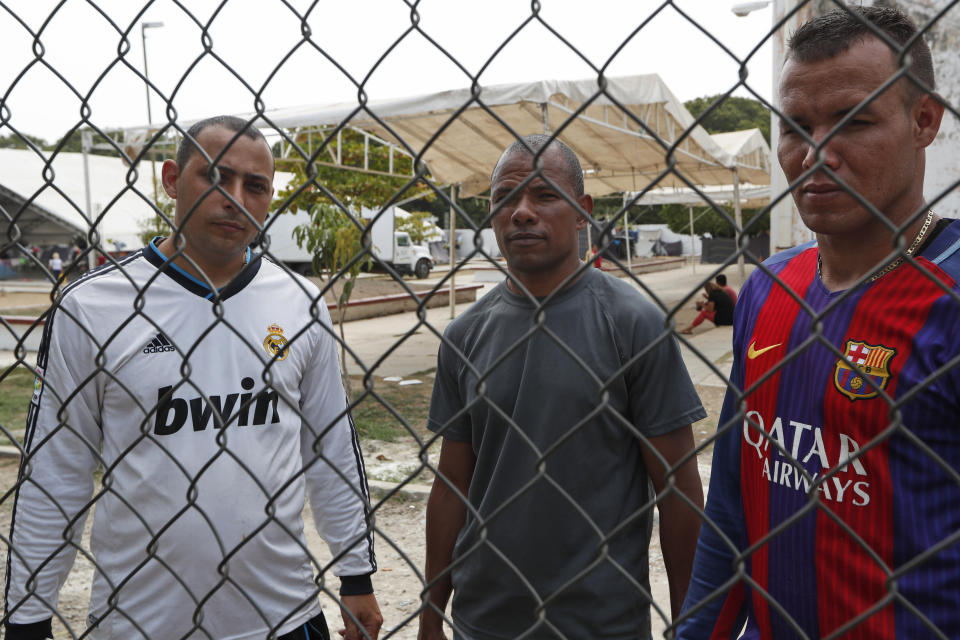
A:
751,151
751,197
621,132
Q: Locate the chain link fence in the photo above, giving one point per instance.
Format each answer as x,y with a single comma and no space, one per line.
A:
116,361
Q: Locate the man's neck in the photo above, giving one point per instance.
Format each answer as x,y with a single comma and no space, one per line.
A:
537,285
219,275
845,259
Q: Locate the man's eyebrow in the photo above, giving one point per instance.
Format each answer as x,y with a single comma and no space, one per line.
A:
228,170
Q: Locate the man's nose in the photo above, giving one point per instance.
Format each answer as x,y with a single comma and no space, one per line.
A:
525,212
823,150
231,190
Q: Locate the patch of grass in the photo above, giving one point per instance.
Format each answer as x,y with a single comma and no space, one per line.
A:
15,391
376,422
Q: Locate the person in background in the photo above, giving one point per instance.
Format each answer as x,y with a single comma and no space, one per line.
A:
717,308
56,266
721,280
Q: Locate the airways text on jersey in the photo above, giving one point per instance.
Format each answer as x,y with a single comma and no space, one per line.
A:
172,412
806,449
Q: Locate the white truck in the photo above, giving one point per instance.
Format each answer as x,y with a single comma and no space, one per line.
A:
390,246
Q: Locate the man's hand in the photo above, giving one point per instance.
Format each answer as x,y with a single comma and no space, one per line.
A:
431,626
365,609
679,522
446,513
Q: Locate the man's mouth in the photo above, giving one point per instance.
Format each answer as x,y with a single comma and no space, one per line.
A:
229,224
817,188
525,235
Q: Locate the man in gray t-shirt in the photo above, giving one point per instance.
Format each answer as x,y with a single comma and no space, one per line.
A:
560,396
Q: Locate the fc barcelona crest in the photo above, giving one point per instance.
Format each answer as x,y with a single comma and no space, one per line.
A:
874,363
275,344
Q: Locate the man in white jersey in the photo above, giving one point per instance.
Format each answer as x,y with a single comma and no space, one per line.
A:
203,381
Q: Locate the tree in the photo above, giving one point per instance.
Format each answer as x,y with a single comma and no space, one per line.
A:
334,235
731,114
19,141
352,183
155,225
677,217
418,225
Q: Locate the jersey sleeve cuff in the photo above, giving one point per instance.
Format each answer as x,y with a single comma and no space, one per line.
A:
356,585
31,631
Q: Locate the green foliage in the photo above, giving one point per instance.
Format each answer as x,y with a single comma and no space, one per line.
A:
677,216
374,420
74,143
476,209
15,391
418,225
733,114
353,188
333,237
155,225
19,141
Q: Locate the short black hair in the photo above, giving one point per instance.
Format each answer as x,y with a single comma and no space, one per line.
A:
836,31
531,144
721,279
188,145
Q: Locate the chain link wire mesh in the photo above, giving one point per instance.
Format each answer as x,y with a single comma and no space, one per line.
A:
392,158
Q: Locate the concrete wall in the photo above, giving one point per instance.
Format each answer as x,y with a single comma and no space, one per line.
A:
943,156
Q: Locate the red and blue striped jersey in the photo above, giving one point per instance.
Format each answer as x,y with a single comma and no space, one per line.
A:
834,502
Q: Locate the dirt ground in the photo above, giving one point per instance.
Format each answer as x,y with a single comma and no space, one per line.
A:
400,524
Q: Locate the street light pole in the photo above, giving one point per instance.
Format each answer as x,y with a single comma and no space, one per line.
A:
146,74
786,230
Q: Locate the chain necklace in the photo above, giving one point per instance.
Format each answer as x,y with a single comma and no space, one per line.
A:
896,263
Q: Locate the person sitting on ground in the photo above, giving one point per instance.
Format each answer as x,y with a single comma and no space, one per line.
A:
718,308
721,280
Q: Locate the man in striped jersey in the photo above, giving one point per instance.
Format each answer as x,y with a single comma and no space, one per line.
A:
203,381
833,497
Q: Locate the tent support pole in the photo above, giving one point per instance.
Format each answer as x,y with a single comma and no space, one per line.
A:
86,143
626,232
738,219
453,251
693,251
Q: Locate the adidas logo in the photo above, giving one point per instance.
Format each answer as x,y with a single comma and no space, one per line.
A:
158,345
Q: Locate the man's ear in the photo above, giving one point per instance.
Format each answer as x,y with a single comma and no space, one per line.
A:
925,116
169,173
586,203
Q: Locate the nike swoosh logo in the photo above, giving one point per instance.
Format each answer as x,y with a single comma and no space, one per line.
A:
753,352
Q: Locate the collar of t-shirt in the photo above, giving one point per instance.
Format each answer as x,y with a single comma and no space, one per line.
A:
525,300
250,266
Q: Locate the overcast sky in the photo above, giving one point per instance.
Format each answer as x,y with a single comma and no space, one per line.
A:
262,43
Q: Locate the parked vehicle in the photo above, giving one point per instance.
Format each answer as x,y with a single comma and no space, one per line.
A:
395,247
390,247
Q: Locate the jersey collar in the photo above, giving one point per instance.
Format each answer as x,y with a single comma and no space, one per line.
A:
196,286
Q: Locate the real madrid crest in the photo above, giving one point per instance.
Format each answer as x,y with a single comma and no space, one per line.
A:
872,360
275,344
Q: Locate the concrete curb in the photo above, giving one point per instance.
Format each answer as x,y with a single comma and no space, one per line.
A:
9,452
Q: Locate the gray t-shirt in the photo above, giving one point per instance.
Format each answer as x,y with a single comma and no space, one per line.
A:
560,512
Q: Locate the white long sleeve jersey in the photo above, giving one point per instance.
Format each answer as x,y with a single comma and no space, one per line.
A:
211,421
